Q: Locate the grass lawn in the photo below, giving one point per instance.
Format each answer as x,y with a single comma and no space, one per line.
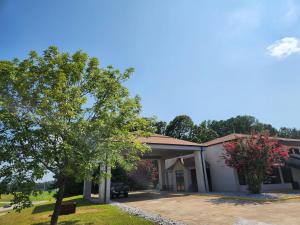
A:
3,204
86,213
6,198
44,195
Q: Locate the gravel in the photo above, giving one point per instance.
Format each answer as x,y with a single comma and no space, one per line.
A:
148,216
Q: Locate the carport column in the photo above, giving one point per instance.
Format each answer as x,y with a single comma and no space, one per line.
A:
161,174
87,189
199,171
104,185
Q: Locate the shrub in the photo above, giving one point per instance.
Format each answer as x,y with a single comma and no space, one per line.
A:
255,157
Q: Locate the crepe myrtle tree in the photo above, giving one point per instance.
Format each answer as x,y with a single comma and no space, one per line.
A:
65,114
255,157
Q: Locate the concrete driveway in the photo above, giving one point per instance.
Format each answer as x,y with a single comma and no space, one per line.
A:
210,210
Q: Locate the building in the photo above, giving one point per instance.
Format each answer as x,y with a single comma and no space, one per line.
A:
180,172
193,167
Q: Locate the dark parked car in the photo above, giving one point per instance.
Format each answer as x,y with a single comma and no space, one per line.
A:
117,189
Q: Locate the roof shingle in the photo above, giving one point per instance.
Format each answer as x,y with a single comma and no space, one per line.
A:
234,136
166,140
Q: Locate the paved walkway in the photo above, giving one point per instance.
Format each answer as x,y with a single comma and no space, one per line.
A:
209,210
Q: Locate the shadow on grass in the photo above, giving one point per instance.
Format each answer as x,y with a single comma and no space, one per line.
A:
49,207
150,195
236,201
71,222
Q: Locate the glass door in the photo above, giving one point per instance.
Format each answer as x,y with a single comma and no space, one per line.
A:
179,180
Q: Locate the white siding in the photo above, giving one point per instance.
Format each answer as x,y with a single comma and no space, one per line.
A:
170,162
223,178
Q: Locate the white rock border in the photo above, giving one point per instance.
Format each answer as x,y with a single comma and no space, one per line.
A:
148,216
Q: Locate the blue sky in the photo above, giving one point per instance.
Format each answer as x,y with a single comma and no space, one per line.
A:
207,59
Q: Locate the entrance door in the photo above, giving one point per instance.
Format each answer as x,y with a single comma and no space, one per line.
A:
179,180
170,183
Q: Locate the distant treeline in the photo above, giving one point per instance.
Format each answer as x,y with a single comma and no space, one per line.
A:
183,127
48,185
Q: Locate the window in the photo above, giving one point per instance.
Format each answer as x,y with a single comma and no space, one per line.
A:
170,183
273,178
294,151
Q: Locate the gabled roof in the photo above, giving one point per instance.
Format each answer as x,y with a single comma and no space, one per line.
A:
235,136
157,139
186,161
226,138
166,140
178,160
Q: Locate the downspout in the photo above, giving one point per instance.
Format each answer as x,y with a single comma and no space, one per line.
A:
203,167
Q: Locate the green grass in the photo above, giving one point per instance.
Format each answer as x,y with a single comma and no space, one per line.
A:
42,196
86,213
3,204
45,195
6,198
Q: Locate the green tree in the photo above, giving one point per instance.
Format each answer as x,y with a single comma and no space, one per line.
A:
180,127
161,127
202,133
3,187
63,113
145,176
262,127
289,132
72,186
240,124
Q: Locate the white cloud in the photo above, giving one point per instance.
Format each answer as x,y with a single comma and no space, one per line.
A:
284,47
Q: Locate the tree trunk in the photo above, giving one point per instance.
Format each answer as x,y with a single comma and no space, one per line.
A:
59,198
254,184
